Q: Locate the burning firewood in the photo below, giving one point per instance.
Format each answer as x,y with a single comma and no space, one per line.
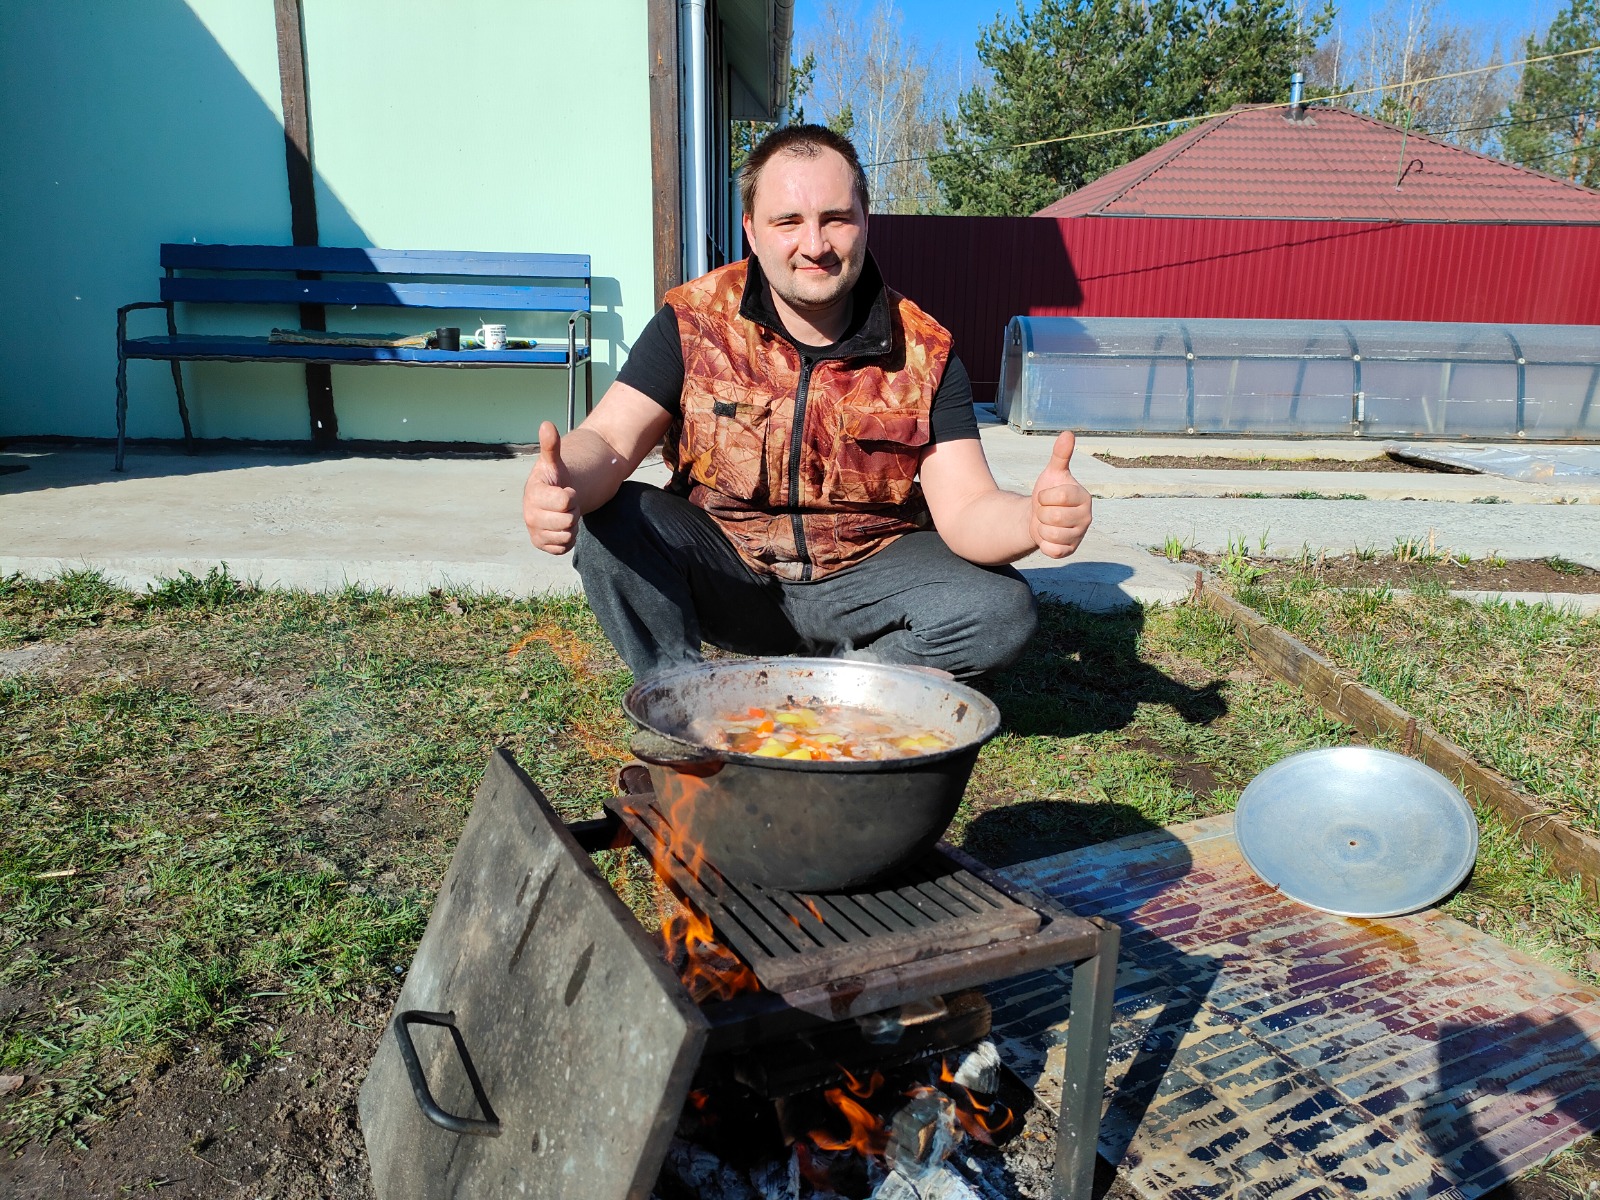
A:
923,1133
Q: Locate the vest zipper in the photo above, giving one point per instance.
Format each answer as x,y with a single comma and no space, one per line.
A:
796,440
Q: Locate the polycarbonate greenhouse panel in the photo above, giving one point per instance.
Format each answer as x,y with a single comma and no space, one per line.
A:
1300,378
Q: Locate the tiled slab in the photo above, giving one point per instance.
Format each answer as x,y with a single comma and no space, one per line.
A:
1261,1048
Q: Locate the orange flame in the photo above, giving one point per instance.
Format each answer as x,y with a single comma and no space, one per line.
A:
868,1135
977,1119
710,970
864,1090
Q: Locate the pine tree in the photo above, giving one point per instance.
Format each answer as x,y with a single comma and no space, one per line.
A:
1556,115
1077,66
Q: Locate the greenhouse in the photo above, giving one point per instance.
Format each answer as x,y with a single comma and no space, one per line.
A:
1301,378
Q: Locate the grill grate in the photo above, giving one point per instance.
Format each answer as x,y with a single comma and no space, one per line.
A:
796,940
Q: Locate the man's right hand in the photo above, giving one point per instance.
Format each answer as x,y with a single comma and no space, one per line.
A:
549,502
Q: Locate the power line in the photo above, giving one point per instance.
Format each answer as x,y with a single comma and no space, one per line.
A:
1577,112
1569,152
1171,121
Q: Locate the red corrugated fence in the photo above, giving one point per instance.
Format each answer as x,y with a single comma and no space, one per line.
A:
976,273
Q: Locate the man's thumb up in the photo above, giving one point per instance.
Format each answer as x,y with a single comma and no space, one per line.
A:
549,503
1062,508
1060,453
550,469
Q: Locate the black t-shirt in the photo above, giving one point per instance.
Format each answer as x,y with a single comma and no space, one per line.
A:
655,367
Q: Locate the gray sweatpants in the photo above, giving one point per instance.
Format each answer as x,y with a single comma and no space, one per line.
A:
662,578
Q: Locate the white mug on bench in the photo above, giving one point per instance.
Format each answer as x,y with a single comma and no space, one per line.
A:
491,337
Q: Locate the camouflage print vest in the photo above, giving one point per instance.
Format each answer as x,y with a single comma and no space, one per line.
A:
808,464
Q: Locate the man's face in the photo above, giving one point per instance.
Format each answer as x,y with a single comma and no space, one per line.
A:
807,228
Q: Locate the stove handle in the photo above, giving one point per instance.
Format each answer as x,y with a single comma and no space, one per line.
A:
489,1126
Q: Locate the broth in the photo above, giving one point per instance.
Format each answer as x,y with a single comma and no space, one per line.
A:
823,733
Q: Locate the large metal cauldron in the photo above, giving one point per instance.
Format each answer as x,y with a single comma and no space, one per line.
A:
805,826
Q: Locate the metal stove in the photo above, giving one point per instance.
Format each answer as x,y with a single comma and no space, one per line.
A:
541,1047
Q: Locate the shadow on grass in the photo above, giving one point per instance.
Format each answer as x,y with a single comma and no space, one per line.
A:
1083,674
1031,829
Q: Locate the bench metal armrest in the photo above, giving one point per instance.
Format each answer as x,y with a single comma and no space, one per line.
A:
572,329
122,317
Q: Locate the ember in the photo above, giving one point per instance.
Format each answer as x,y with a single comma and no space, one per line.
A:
887,1136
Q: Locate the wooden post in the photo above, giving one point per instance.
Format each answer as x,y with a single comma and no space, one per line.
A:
665,167
1341,695
303,200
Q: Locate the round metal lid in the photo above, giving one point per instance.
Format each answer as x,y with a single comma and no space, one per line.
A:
1356,831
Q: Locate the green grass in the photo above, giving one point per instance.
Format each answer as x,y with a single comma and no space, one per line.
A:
252,793
1565,566
249,797
1515,684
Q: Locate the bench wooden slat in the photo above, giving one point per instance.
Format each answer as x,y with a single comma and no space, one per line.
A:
354,260
322,275
370,292
227,347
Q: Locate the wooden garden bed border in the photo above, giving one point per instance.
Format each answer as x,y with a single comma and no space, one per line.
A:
1341,695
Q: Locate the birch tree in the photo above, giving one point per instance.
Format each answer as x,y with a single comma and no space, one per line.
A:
877,85
1382,66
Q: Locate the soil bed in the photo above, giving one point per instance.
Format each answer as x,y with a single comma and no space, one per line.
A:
1555,576
1183,462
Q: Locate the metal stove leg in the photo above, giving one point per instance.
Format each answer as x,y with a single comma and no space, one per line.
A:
1094,981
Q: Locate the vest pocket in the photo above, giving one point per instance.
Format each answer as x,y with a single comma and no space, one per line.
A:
727,442
876,456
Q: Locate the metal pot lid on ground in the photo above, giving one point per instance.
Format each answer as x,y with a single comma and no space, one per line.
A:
1357,831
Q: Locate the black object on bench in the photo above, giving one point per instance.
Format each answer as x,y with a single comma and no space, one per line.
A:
361,277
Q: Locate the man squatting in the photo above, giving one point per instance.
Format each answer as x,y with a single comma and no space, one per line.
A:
829,493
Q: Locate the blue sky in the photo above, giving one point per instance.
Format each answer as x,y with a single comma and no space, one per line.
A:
954,24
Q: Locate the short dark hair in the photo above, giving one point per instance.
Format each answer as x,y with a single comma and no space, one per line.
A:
803,141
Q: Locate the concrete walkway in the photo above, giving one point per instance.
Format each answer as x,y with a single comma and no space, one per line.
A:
414,523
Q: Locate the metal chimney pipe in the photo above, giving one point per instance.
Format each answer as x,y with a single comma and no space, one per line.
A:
1297,107
695,135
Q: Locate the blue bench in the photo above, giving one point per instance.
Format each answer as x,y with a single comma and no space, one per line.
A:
350,276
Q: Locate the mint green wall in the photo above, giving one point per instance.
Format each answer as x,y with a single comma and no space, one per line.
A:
519,125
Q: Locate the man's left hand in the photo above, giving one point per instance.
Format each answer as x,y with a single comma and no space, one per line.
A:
1062,508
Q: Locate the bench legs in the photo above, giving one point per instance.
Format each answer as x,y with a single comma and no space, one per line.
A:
177,383
1094,983
572,391
122,377
122,407
572,367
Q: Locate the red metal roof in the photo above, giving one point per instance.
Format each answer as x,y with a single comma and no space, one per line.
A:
1332,165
